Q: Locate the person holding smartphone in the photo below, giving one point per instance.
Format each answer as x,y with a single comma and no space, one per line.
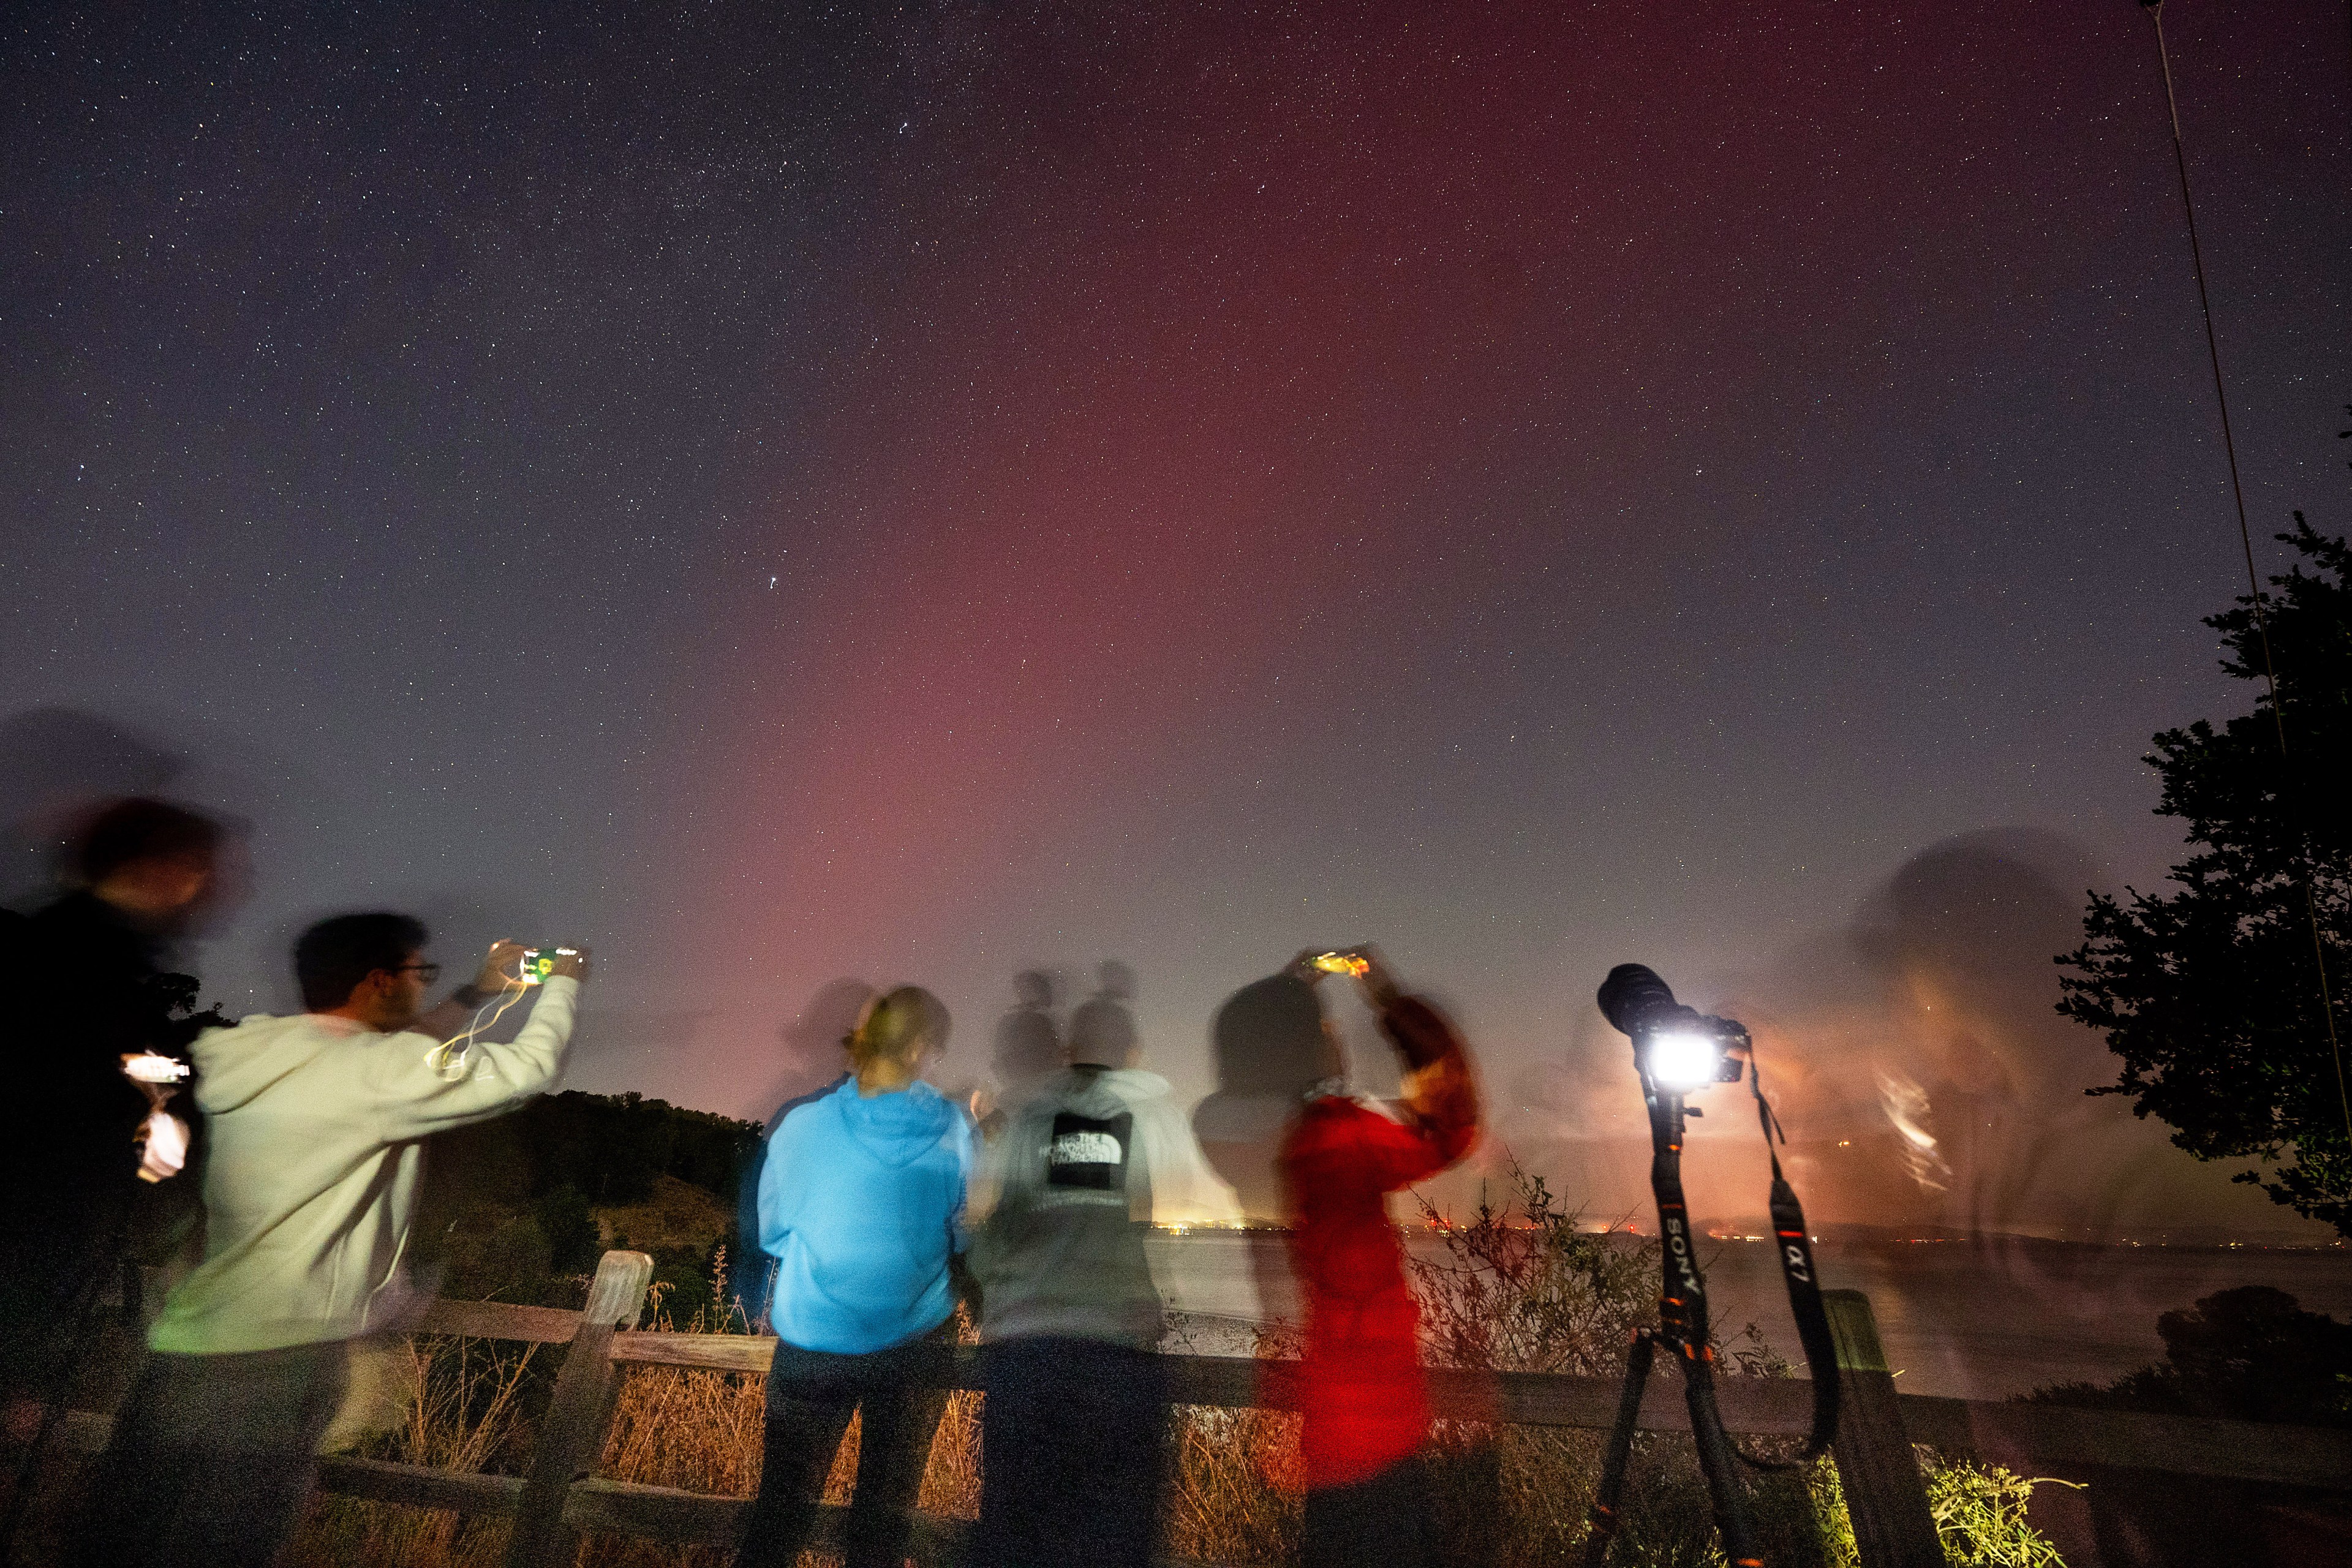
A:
317,1124
1361,1390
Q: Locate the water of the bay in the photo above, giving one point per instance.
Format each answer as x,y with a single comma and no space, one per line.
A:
1984,1320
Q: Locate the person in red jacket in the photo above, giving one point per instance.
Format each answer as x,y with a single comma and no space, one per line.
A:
1360,1383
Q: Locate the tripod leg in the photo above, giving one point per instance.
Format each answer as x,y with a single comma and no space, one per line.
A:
1600,1521
1715,1459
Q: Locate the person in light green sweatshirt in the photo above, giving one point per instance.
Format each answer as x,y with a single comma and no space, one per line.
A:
316,1123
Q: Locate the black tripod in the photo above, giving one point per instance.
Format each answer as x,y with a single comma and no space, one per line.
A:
1683,1330
1678,1050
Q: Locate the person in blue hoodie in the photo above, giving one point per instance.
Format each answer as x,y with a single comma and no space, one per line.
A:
861,1204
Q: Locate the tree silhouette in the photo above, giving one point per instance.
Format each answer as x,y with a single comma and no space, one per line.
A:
2210,995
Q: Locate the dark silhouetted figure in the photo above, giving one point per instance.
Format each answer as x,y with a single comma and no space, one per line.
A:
1028,1048
1360,1382
861,1206
57,768
1268,1064
317,1125
86,990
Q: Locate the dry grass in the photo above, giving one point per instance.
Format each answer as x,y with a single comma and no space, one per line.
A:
1235,1494
1537,1293
701,1432
463,1413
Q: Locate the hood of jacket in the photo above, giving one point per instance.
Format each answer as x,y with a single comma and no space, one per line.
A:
1135,1086
234,1064
1097,1091
898,1128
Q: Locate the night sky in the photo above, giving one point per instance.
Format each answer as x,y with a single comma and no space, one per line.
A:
787,492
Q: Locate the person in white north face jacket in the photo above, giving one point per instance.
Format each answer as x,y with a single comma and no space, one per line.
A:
315,1124
1071,1315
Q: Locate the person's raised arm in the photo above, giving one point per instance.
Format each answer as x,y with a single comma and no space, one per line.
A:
424,1084
1440,1102
501,970
1440,1091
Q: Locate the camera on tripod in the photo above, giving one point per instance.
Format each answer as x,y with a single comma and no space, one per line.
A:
1678,1050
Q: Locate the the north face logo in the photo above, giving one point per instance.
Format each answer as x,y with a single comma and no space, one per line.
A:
1088,1152
1086,1148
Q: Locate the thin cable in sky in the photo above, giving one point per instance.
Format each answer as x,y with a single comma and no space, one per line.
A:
2154,9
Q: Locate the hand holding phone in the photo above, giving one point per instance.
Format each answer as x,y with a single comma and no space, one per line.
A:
501,967
571,962
1363,963
1315,964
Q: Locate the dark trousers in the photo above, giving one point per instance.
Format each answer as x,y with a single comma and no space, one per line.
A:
212,1458
1382,1519
811,1396
1075,1432
64,1257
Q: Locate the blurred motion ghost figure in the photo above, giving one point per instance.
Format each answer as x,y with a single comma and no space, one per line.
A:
1103,1034
1986,1092
87,999
1271,1049
1028,1050
1075,1419
58,767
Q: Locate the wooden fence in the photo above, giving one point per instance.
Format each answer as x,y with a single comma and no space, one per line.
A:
562,1497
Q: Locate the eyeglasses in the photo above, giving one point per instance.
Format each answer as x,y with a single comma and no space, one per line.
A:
428,972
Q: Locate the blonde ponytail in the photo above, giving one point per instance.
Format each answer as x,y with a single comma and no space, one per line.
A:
898,1024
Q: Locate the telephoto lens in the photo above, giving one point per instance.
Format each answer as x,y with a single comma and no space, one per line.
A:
1635,1001
1678,1049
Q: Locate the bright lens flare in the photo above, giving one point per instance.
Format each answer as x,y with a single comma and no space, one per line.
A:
1683,1061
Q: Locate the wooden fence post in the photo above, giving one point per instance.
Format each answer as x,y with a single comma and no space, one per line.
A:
1884,1495
574,1438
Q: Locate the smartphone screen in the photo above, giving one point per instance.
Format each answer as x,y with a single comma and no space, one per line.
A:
538,964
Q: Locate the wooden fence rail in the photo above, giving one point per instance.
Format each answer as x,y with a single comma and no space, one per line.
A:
562,1498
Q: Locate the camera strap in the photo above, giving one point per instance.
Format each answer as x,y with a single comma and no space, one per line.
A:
1795,1247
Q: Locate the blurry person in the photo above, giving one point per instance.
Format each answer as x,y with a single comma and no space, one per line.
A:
1074,1424
316,1125
1265,1068
87,994
1184,1189
861,1206
1361,1389
1028,1053
1028,1050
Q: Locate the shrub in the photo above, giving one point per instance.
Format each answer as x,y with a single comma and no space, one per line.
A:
2252,1354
